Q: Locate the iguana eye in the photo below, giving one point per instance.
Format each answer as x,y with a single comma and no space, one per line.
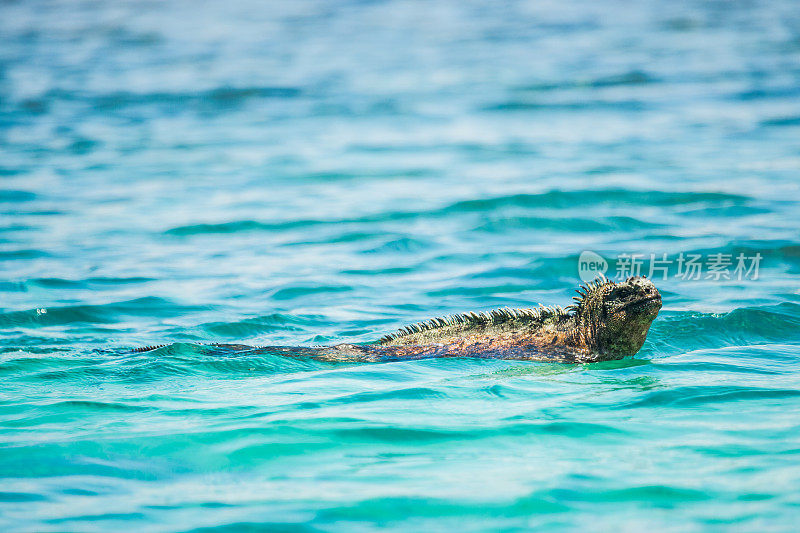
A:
622,292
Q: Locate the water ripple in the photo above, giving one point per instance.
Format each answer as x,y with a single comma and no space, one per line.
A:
186,173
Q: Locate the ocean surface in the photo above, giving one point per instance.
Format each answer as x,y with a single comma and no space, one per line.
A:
313,172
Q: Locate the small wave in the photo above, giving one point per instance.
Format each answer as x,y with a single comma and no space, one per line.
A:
101,517
393,510
740,327
782,121
765,93
119,280
92,406
645,493
378,271
240,226
767,360
254,326
216,96
401,245
93,314
11,255
57,283
733,211
689,396
13,286
183,358
581,198
519,105
713,202
567,225
298,291
237,526
7,195
21,497
16,227
630,78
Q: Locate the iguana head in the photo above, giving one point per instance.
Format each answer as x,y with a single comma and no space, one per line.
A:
615,317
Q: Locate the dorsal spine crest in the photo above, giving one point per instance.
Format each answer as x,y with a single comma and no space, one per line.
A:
500,316
473,319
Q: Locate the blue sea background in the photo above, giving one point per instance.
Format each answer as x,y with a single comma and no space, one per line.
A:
327,171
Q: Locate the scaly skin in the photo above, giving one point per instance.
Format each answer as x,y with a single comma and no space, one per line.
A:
607,321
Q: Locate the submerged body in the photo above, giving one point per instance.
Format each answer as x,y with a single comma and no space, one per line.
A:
607,321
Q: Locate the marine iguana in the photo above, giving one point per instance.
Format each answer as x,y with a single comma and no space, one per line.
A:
608,320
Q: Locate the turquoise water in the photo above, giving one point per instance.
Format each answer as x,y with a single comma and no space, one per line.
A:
321,172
